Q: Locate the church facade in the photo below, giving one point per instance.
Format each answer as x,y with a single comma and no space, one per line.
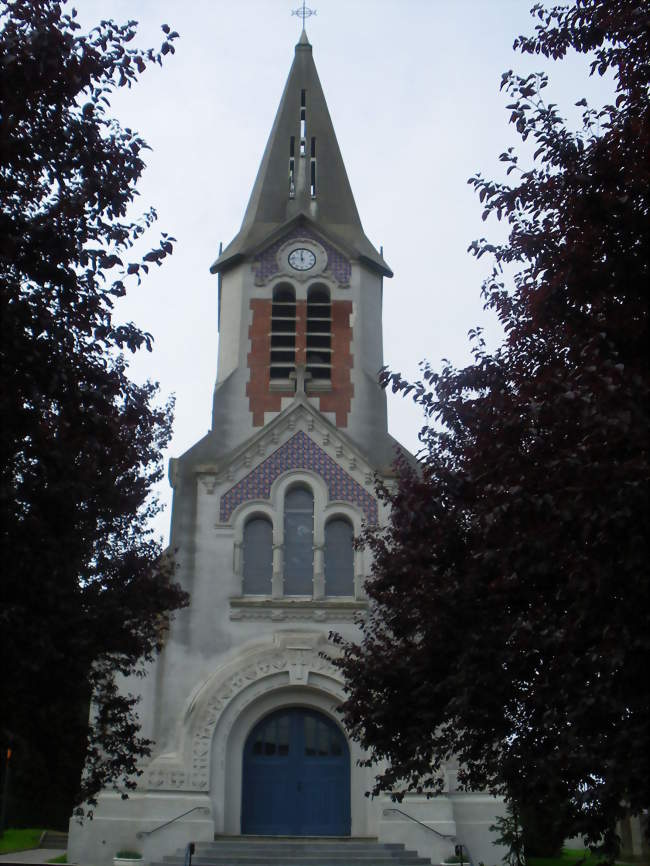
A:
242,702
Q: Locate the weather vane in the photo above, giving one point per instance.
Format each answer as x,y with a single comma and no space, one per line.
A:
304,12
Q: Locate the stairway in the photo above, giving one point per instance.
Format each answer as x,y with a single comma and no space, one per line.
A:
52,839
296,851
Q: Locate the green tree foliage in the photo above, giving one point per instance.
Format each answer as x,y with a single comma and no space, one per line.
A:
509,623
508,832
85,594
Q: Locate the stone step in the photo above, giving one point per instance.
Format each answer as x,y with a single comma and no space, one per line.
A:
346,842
360,853
257,842
297,851
318,848
342,841
54,839
273,840
302,857
322,844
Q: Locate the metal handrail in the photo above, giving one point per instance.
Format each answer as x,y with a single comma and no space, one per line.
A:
142,833
433,830
421,823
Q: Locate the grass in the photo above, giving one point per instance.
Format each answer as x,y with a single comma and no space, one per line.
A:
569,857
62,858
19,840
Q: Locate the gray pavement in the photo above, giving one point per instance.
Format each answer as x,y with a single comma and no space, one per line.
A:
31,855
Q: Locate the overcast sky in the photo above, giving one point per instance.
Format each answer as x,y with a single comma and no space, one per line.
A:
413,90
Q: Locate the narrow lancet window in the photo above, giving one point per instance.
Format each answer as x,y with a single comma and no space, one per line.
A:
312,169
319,333
258,556
292,167
283,332
339,557
298,541
303,122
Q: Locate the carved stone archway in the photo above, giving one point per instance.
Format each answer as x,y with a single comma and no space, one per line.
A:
289,658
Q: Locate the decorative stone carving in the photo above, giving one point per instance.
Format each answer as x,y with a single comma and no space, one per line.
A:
293,655
166,775
209,482
296,661
316,614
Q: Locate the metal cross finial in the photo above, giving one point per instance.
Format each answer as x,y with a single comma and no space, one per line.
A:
304,12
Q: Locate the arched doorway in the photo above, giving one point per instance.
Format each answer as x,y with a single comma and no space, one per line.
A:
296,776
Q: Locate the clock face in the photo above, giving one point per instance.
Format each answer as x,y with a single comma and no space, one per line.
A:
302,259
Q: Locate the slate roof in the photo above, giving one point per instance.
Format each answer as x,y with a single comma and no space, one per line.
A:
271,208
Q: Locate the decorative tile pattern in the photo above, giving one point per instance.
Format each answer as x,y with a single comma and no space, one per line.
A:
265,264
300,452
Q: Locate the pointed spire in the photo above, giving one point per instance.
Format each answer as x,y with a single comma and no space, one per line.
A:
302,174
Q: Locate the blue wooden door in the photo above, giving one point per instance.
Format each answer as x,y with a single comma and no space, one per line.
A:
296,776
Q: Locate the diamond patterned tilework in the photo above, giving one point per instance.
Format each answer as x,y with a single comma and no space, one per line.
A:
300,452
265,264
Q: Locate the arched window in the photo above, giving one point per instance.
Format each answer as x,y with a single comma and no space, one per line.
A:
258,556
339,557
283,332
319,333
298,541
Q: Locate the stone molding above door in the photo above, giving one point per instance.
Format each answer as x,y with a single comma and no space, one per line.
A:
292,658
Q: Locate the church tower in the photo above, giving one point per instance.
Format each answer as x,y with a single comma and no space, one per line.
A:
293,281
242,702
